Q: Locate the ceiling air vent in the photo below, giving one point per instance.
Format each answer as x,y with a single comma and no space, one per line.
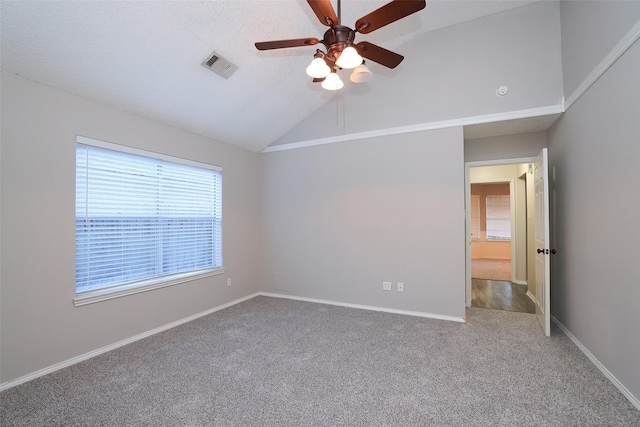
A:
219,65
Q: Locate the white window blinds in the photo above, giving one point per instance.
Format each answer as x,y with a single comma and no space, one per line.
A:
139,218
498,217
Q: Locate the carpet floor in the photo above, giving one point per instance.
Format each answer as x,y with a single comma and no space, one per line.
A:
277,362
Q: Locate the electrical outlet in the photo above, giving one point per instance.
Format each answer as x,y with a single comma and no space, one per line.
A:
386,286
400,287
229,281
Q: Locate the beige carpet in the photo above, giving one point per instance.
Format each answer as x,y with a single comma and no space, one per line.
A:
494,269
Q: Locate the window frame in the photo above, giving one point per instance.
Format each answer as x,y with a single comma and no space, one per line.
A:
144,285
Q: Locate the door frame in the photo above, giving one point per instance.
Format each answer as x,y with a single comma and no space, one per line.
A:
467,214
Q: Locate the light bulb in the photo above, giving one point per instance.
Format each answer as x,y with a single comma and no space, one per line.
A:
318,69
361,74
349,58
332,82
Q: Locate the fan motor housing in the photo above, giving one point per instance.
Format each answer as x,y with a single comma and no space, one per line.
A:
336,39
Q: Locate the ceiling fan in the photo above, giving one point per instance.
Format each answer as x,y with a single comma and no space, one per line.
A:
341,50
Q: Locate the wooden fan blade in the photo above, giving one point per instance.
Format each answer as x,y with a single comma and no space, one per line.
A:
318,80
324,11
390,12
279,44
379,54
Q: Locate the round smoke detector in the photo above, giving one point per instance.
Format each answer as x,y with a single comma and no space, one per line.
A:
502,91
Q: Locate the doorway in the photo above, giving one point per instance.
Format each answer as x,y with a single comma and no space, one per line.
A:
500,223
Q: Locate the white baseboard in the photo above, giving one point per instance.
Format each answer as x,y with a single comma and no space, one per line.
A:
530,295
366,307
633,399
520,282
113,346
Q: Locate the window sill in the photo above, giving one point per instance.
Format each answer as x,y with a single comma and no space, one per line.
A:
91,297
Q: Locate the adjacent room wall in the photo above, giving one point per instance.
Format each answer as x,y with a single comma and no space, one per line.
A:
489,174
340,219
520,227
454,73
593,151
40,325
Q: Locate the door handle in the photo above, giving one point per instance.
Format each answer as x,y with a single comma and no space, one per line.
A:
545,251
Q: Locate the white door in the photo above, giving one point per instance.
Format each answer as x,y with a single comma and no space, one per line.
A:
541,180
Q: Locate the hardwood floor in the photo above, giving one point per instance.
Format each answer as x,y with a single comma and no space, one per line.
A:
500,295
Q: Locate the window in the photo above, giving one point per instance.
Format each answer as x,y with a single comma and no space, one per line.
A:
498,218
143,221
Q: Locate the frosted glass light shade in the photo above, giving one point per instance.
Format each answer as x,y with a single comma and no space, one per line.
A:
318,68
349,58
361,74
332,82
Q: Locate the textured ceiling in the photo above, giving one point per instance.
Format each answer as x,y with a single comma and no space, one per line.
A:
144,56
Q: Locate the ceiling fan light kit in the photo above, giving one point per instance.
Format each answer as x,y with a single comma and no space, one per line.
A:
318,69
361,74
349,58
341,52
332,82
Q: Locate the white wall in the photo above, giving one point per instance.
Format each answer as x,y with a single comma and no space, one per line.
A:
40,325
593,152
340,219
453,73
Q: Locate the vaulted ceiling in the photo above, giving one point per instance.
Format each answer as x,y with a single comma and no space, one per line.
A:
145,56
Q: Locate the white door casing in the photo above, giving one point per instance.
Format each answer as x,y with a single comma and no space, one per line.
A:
543,275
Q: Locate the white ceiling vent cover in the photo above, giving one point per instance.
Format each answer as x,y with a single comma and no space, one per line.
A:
219,65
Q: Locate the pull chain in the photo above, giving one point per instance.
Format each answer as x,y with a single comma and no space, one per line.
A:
344,119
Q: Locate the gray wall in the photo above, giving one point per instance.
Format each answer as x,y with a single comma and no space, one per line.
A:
590,29
594,151
340,219
504,147
453,73
40,325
